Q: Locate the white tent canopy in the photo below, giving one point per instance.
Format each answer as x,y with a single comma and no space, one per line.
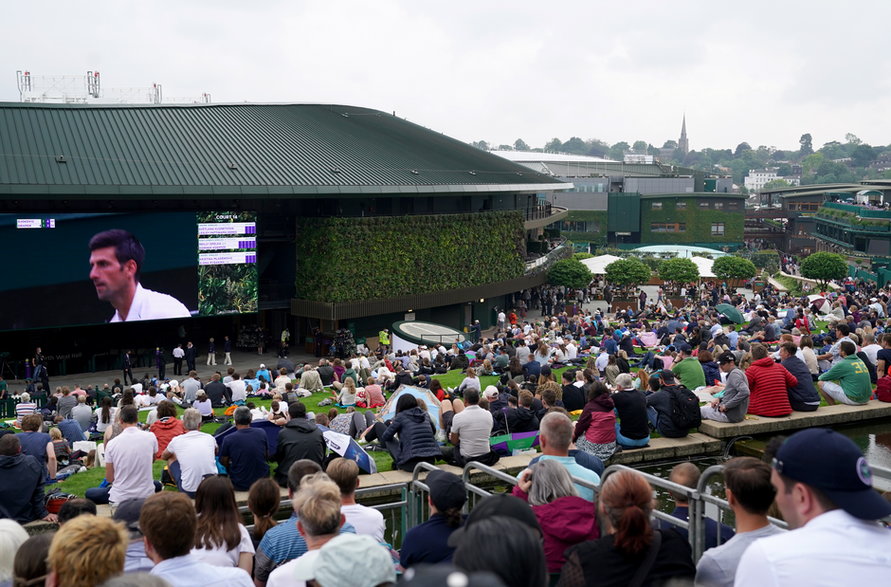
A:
705,266
597,265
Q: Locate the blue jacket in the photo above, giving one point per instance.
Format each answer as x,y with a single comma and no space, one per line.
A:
416,435
804,392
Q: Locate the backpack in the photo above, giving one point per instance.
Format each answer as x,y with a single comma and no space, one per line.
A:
883,389
685,412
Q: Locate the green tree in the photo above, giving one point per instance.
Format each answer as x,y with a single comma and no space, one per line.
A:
582,256
570,273
640,146
810,164
775,183
824,267
617,151
670,144
807,144
482,145
732,267
554,144
520,145
626,272
678,271
767,259
741,148
863,155
576,146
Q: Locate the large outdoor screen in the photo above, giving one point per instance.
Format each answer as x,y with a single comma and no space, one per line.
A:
89,268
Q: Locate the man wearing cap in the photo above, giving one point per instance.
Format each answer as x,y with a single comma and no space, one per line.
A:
847,382
824,491
429,542
733,404
688,369
135,559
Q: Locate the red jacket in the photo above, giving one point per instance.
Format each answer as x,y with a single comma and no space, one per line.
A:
768,386
564,522
165,429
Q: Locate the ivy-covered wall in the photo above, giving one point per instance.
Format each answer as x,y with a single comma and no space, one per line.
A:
698,220
350,259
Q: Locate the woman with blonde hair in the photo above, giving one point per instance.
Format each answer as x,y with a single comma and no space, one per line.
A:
347,395
632,551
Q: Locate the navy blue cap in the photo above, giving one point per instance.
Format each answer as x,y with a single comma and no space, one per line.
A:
832,463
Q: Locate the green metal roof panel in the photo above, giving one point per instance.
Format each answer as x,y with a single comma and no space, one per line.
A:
238,148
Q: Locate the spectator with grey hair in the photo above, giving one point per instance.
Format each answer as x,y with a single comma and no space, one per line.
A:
244,452
632,429
565,518
191,456
555,437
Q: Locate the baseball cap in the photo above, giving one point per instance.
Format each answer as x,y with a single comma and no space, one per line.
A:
727,357
667,375
499,504
128,512
832,463
684,348
369,563
491,392
446,490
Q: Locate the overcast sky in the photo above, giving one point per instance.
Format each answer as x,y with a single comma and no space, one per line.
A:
756,71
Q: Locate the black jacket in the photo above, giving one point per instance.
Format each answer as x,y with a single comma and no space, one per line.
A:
21,488
661,402
416,436
218,394
299,439
804,392
521,419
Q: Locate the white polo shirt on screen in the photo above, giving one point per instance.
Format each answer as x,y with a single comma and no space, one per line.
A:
152,305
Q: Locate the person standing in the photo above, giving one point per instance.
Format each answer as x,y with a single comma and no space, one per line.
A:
227,348
825,493
191,355
127,367
211,352
40,371
161,363
642,300
178,355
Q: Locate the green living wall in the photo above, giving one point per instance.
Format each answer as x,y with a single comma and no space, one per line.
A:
698,220
350,259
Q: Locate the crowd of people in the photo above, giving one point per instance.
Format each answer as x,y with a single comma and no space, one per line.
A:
591,384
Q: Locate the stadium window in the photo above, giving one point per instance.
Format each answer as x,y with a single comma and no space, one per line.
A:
703,204
719,205
717,229
668,227
656,206
680,205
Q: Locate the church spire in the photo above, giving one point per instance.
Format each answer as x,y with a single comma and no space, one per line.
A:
683,143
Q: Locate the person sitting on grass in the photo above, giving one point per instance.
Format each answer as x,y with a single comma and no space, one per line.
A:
370,396
347,394
416,435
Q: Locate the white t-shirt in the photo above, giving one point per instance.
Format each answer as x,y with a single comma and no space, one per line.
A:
365,520
473,426
237,387
284,575
131,453
195,451
226,558
280,383
152,305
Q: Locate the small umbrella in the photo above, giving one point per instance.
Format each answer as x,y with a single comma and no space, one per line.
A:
508,443
819,303
731,313
348,448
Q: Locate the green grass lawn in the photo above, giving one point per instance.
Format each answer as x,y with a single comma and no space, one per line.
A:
77,484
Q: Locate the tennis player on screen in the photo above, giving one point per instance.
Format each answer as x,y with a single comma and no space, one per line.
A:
116,258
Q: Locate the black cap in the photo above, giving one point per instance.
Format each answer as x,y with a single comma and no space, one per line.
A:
832,463
726,357
500,504
446,490
667,375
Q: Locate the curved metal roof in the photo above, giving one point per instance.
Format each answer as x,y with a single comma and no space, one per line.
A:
240,148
